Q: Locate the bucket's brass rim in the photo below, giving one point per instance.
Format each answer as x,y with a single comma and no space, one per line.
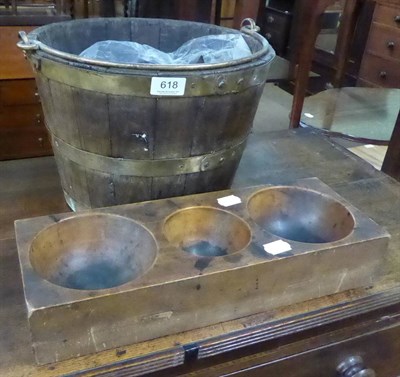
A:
139,84
30,43
137,79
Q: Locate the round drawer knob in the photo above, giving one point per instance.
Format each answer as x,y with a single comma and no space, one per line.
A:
353,366
382,74
270,19
397,19
391,45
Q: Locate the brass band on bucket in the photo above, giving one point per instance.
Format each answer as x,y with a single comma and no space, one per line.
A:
148,168
208,83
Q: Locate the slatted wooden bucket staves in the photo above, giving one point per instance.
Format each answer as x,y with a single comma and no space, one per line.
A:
115,142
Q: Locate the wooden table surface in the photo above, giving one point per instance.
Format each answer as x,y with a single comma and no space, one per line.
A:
368,113
30,188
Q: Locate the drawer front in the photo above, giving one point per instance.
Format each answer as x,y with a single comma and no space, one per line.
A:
25,142
366,84
385,73
380,352
389,16
277,21
385,42
277,40
18,92
21,117
22,130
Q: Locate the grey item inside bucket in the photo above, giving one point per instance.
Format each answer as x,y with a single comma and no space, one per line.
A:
205,49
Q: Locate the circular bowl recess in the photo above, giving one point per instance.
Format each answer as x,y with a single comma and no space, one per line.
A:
94,251
301,215
207,231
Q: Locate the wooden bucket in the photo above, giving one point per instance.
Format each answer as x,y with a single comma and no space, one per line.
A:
114,141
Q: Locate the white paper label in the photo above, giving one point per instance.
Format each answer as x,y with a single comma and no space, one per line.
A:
167,86
277,247
228,201
368,146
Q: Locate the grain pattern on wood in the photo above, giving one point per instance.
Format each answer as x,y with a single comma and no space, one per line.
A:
173,135
131,124
100,188
76,179
115,33
25,116
232,287
22,131
128,188
173,127
91,122
218,177
147,32
29,141
242,110
31,188
18,92
59,110
132,136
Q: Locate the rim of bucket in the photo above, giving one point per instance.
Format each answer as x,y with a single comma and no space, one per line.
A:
30,43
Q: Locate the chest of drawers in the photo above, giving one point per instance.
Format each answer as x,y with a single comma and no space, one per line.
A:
276,28
381,61
22,130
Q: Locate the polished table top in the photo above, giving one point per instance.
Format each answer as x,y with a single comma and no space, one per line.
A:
368,113
30,188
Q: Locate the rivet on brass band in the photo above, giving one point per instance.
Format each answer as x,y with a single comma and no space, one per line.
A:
147,168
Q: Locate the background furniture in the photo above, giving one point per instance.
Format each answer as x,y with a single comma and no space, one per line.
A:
33,12
276,22
307,27
371,115
191,10
381,60
22,130
304,40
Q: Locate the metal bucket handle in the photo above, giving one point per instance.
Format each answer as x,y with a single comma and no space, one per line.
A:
30,45
251,28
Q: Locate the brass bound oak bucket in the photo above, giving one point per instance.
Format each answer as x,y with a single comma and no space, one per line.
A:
114,141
